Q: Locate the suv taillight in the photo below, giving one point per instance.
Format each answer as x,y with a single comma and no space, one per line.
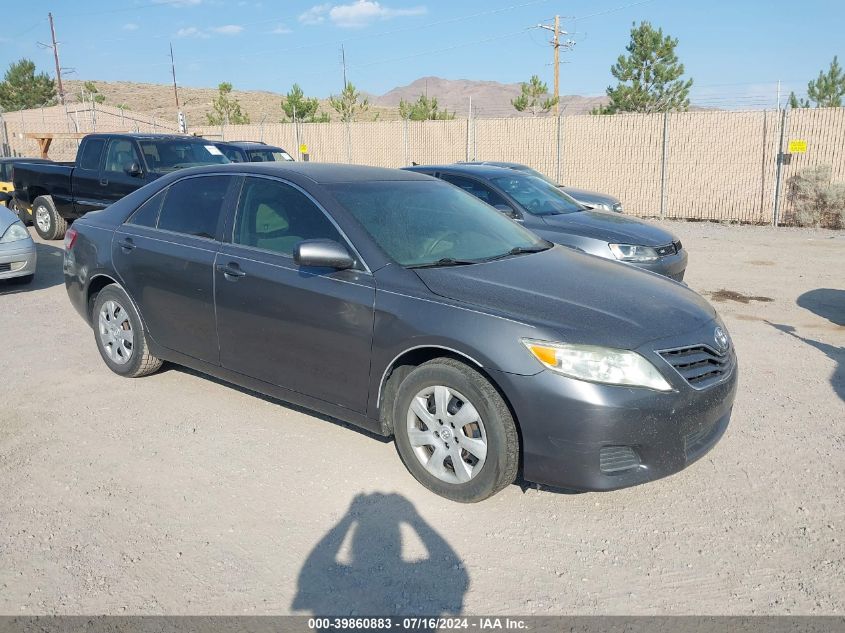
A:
70,238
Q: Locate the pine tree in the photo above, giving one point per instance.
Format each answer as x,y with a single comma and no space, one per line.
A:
827,91
21,88
534,97
423,109
349,103
296,104
226,109
649,77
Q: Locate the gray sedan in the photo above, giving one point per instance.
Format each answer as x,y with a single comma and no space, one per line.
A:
590,199
17,250
552,214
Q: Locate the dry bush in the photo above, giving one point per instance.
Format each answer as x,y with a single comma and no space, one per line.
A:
816,201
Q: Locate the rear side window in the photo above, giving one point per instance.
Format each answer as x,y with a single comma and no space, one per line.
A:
91,152
147,213
193,206
275,217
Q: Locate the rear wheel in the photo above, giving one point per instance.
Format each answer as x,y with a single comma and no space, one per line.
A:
48,223
120,335
454,431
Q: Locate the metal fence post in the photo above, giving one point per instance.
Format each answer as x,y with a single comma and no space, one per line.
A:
558,165
348,142
763,164
663,165
406,148
779,169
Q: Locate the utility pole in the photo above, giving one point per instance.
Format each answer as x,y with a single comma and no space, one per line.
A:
180,117
343,62
55,48
556,44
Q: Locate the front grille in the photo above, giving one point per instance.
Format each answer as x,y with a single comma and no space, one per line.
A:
699,365
4,268
665,251
614,459
678,246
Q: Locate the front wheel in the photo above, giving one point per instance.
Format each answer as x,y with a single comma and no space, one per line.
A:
48,223
120,334
454,432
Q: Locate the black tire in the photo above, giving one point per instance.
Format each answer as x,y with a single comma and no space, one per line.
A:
502,458
56,225
22,281
140,362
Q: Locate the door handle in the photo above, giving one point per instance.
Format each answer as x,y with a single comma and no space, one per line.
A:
231,271
104,182
127,244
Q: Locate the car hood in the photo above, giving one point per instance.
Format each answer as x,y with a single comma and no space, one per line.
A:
585,299
590,197
609,227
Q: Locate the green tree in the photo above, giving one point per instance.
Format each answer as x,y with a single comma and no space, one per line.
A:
534,97
295,103
225,108
90,91
349,103
649,77
827,91
21,88
423,109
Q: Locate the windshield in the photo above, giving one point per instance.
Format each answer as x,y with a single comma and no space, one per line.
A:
537,196
171,154
525,169
421,223
268,155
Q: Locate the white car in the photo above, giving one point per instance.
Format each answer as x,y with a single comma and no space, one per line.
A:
17,250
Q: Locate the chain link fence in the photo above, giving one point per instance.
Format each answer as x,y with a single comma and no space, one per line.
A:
702,165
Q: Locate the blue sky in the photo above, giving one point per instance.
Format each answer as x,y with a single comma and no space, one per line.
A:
734,50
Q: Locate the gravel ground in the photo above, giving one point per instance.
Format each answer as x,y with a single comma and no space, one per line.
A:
178,494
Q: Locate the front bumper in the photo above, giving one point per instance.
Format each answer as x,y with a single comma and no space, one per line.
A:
672,266
576,434
17,261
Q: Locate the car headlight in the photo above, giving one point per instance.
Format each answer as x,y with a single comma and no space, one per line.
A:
598,364
14,233
633,253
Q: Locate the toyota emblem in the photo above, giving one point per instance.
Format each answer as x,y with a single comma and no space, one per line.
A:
721,338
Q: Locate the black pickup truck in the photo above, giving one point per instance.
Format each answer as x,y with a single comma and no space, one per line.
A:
107,167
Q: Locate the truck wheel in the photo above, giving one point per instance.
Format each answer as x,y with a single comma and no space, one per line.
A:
48,223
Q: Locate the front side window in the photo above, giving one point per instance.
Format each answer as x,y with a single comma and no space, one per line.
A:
480,191
120,155
194,206
421,223
268,155
274,216
536,195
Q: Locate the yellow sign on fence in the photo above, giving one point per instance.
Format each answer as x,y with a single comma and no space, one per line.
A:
303,149
797,146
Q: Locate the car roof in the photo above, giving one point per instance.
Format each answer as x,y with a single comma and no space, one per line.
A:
322,173
153,137
250,145
470,169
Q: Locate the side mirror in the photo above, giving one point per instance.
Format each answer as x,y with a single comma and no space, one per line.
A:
134,170
322,253
5,198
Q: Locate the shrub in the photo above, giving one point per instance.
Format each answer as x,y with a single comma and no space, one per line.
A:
816,201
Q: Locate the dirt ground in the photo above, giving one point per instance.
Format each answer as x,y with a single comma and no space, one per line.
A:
181,495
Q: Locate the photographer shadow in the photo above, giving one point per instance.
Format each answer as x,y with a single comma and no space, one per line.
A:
375,579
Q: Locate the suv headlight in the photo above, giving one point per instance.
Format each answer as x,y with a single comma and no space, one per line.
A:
598,364
14,233
633,253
